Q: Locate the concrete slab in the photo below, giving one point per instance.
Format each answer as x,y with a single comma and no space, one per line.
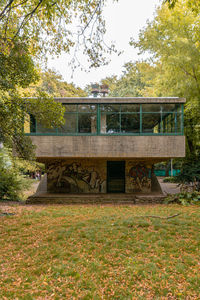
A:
168,187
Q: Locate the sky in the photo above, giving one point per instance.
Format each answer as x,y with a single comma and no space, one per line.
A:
124,19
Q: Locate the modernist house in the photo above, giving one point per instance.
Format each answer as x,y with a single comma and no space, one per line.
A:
109,145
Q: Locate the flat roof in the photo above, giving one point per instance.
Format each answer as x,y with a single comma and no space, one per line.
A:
118,100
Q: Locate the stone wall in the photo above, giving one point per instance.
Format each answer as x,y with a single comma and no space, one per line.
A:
90,175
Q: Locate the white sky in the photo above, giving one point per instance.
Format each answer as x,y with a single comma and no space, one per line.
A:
123,21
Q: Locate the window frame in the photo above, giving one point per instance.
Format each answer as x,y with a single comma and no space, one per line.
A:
178,111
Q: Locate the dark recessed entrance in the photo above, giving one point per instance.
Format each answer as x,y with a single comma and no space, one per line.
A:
115,176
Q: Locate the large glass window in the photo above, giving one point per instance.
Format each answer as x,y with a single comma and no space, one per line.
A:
120,118
124,119
151,122
70,125
80,119
130,123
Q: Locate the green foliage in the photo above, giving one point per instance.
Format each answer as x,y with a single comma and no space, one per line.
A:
172,179
53,84
30,29
17,67
45,27
25,166
190,171
13,114
45,109
172,39
130,84
192,4
184,199
11,182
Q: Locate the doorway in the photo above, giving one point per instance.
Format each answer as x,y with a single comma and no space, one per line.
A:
115,176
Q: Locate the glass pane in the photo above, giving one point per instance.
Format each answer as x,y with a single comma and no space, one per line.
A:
179,108
29,124
87,123
110,123
150,122
70,107
110,107
130,108
32,123
41,129
172,123
70,125
87,108
130,123
170,107
151,107
178,123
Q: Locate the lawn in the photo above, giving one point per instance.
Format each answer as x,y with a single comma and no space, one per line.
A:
99,252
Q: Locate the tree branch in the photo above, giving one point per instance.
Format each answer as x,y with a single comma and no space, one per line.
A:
5,8
158,217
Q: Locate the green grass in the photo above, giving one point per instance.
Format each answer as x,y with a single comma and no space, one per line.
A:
96,252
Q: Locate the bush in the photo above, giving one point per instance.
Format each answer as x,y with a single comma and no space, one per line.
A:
184,198
170,179
12,183
190,171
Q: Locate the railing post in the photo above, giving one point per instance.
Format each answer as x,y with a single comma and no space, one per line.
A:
140,119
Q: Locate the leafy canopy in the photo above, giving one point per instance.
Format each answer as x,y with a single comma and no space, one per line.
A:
45,26
172,39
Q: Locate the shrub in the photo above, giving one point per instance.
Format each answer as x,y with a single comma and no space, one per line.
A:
12,182
170,179
184,198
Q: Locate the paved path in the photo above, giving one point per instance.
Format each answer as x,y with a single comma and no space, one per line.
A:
168,187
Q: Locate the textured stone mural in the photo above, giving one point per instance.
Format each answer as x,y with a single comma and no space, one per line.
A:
77,176
138,178
90,175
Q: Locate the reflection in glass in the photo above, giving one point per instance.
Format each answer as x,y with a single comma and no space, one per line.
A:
178,123
150,122
110,107
130,123
130,108
70,125
87,123
41,129
70,107
172,107
152,107
84,108
110,123
172,123
29,124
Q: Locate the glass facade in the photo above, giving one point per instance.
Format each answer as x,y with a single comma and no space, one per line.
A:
117,119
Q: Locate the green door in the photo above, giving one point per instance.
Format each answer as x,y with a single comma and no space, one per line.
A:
116,177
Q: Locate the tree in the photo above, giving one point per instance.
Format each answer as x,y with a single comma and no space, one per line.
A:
172,39
29,29
130,84
45,26
53,84
193,4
